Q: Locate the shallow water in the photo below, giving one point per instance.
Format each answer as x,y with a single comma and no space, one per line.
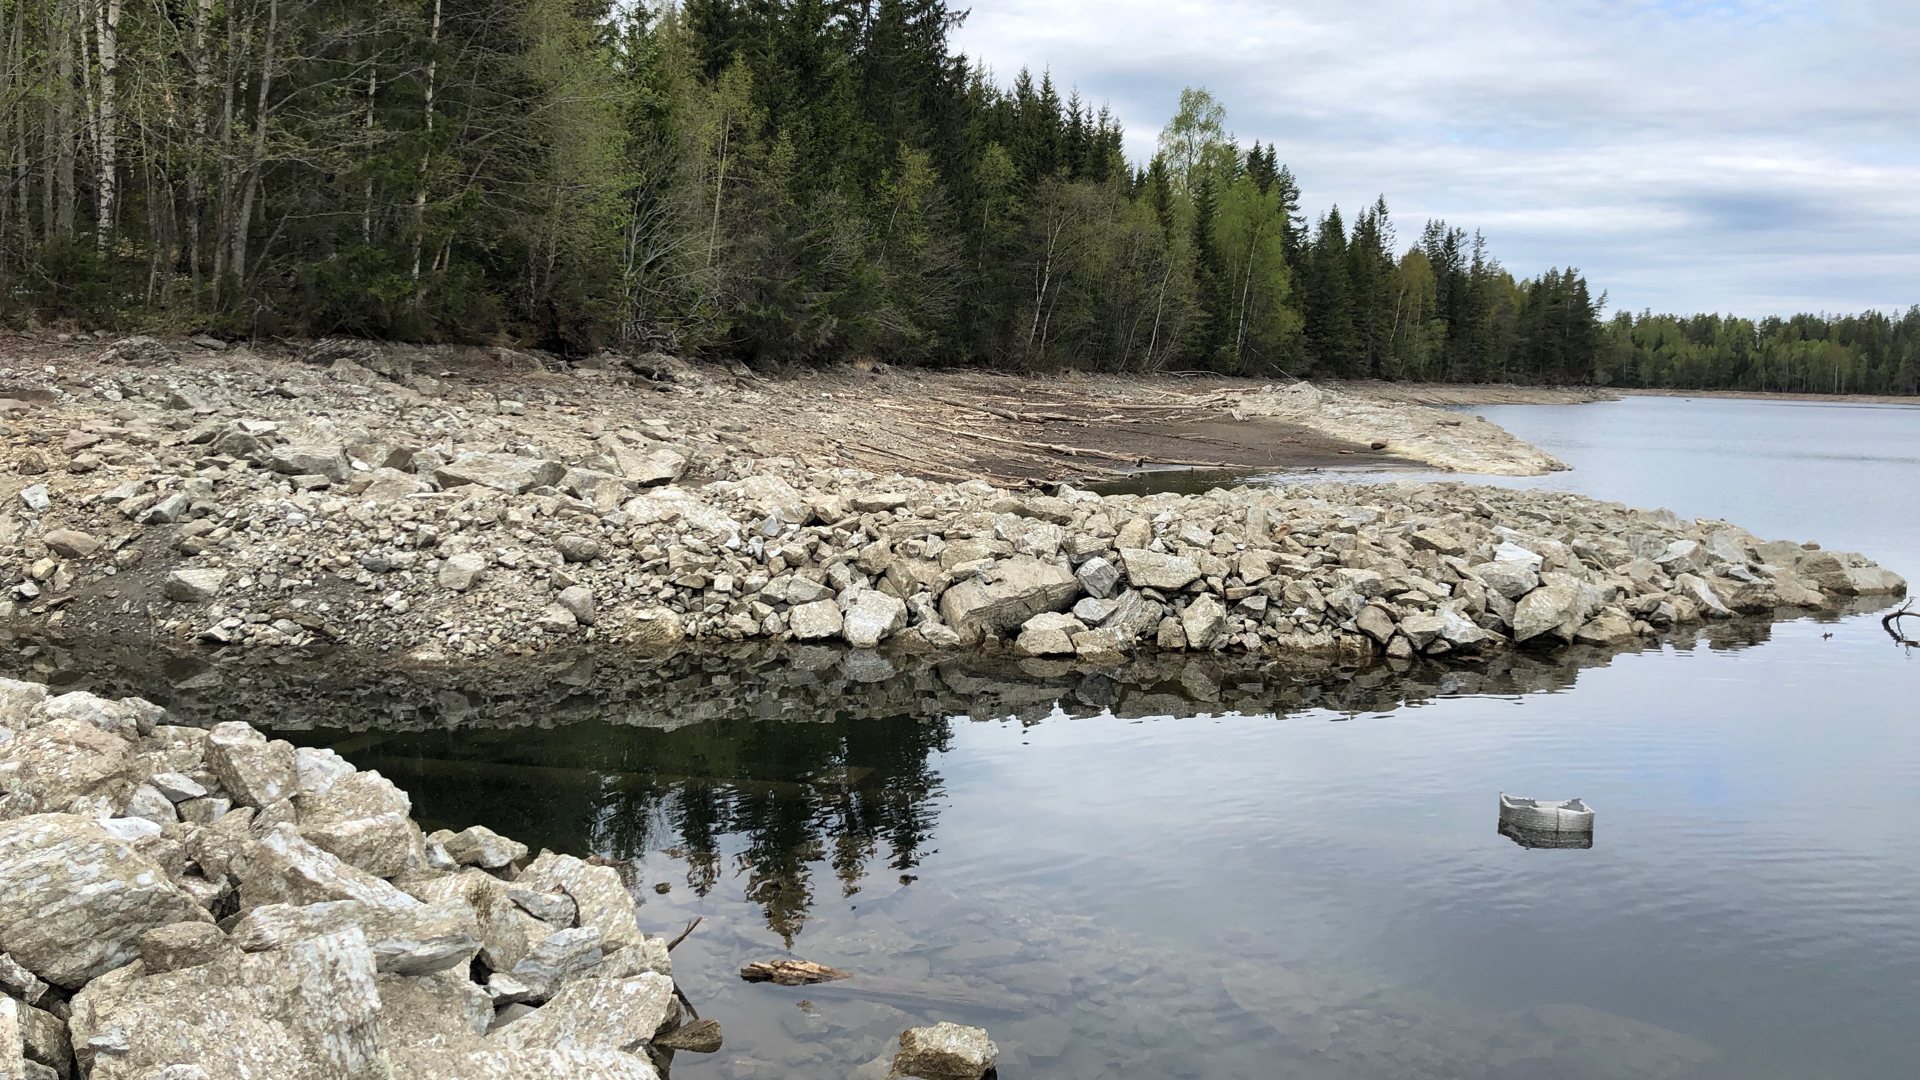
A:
1192,869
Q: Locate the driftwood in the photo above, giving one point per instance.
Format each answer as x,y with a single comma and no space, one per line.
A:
791,972
1080,451
1892,622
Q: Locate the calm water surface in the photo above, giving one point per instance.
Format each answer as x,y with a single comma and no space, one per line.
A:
1211,872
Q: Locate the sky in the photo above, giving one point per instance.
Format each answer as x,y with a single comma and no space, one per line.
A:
1756,157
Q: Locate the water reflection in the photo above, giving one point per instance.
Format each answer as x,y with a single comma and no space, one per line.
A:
791,771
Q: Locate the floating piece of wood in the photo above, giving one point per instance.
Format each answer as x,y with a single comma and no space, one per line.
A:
791,972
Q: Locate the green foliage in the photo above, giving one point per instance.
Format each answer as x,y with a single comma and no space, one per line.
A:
783,181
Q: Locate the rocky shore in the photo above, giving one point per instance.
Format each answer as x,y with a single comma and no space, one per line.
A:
186,903
340,505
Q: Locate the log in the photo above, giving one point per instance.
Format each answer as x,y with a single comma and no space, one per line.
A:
790,972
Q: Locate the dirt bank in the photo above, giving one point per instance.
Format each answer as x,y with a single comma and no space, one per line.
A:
1007,429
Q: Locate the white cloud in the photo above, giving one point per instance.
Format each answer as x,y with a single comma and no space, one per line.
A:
1758,156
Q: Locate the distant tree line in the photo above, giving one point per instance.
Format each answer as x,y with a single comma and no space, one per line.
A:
774,180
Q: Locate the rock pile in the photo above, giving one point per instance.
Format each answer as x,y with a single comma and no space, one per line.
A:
198,904
371,512
497,552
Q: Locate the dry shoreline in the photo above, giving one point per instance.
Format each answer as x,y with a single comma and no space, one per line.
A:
451,504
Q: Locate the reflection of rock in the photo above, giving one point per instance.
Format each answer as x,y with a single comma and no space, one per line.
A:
1546,838
347,692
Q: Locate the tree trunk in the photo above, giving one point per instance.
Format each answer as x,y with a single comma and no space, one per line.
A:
244,218
197,125
426,155
60,133
106,25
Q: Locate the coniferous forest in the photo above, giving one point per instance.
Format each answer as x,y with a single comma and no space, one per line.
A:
774,180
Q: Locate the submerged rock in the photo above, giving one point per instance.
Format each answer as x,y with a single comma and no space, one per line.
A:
945,1051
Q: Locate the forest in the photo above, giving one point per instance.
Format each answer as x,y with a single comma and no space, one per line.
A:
777,181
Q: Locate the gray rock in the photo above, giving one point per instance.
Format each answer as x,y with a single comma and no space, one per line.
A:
1202,621
74,900
167,511
178,787
551,962
1154,570
327,460
1511,578
193,585
283,868
1376,622
578,602
1098,577
1049,634
1696,589
815,621
556,907
569,1063
182,945
1559,606
462,571
646,466
604,901
35,497
310,1012
60,762
71,543
147,802
254,770
510,473
871,617
618,1014
1007,594
945,1051
416,940
480,846
439,1010
1093,611
575,548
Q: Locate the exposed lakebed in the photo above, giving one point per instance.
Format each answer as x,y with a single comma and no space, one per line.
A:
1213,870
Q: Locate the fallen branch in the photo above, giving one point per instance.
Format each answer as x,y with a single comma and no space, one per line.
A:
683,934
1892,622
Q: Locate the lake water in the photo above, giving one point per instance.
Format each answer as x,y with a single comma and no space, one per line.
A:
1205,870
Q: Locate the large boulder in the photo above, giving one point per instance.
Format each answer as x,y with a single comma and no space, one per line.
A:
283,868
74,900
1157,570
612,1014
312,459
254,770
1202,621
646,465
1846,574
816,620
510,473
364,820
1558,606
603,900
417,940
1007,594
308,1012
53,766
871,617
